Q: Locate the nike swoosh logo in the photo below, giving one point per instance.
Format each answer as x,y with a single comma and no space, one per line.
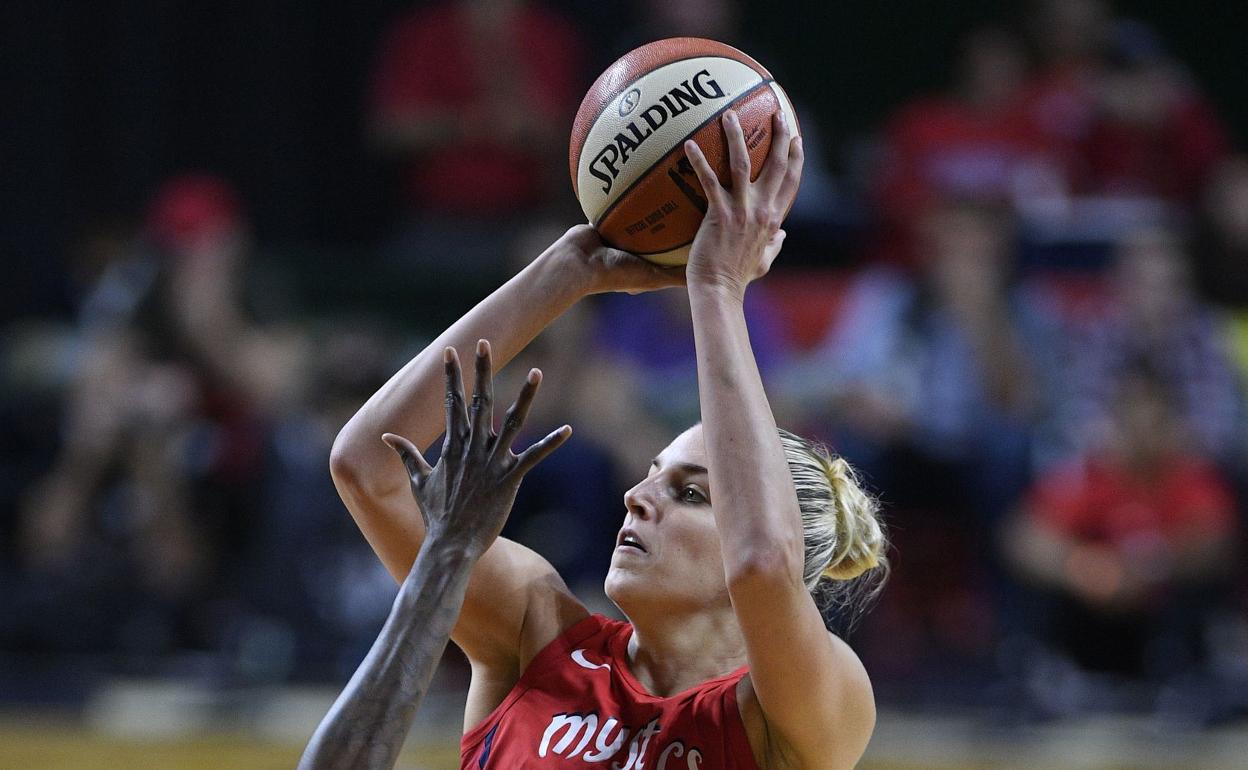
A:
578,657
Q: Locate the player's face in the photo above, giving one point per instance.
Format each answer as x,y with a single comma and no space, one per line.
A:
668,550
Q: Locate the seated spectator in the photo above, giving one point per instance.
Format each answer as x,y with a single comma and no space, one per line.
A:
938,364
150,495
1126,543
973,144
109,536
1154,315
1059,99
1153,133
476,98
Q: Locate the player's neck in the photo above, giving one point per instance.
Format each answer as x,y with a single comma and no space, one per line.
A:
667,655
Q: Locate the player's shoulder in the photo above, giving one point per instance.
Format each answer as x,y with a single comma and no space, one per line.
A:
857,702
551,609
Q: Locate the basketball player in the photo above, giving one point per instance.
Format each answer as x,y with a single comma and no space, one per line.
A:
736,528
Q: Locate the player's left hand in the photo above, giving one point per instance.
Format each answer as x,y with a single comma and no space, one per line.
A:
740,235
612,270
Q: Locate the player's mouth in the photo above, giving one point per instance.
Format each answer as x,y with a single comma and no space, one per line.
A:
628,539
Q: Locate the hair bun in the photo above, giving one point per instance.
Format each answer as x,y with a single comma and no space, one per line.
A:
849,569
860,538
842,532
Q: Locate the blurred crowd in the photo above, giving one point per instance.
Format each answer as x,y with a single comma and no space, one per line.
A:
1035,348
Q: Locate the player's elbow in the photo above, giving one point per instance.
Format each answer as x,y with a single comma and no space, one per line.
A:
346,465
769,563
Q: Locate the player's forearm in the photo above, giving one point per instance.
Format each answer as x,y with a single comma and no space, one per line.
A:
752,494
366,726
411,404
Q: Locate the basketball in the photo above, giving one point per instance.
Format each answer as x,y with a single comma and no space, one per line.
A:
627,159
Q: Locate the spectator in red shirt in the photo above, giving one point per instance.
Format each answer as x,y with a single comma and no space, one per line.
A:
477,97
1059,99
1127,541
1154,134
972,145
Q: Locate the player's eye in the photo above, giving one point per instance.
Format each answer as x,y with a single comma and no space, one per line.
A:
690,494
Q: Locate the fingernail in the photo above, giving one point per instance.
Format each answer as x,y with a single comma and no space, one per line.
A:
448,354
534,376
483,347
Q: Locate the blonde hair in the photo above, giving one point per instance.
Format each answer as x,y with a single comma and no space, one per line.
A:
845,539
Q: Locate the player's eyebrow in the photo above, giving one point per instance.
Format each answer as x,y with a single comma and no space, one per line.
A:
688,468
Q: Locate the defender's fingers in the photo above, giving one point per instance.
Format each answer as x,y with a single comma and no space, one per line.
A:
482,409
774,170
456,412
417,469
711,187
514,420
530,457
738,153
793,173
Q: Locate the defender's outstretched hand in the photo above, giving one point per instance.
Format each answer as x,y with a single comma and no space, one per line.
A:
740,235
465,500
466,497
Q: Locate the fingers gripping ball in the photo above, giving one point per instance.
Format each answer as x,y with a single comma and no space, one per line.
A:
627,160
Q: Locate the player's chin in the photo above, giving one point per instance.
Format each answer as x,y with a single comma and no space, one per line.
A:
623,581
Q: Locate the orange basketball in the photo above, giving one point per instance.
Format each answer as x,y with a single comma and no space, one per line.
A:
627,158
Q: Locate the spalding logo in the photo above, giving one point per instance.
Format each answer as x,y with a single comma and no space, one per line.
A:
611,158
629,101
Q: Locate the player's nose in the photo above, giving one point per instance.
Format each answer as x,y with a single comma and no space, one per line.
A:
639,500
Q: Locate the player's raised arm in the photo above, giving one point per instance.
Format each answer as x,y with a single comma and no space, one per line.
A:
370,478
411,403
814,695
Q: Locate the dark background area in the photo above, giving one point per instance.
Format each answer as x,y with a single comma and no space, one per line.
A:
105,100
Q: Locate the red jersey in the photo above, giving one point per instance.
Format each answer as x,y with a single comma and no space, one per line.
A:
1102,502
430,63
577,706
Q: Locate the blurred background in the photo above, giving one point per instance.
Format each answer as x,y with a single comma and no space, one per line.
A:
1014,294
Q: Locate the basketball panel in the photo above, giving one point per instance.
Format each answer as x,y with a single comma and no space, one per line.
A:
662,212
631,66
650,119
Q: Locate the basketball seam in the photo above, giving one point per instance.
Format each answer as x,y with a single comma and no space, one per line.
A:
624,89
607,211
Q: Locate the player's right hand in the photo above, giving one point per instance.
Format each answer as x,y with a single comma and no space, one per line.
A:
740,235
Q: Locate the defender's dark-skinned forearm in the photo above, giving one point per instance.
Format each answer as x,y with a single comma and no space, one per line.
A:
366,726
